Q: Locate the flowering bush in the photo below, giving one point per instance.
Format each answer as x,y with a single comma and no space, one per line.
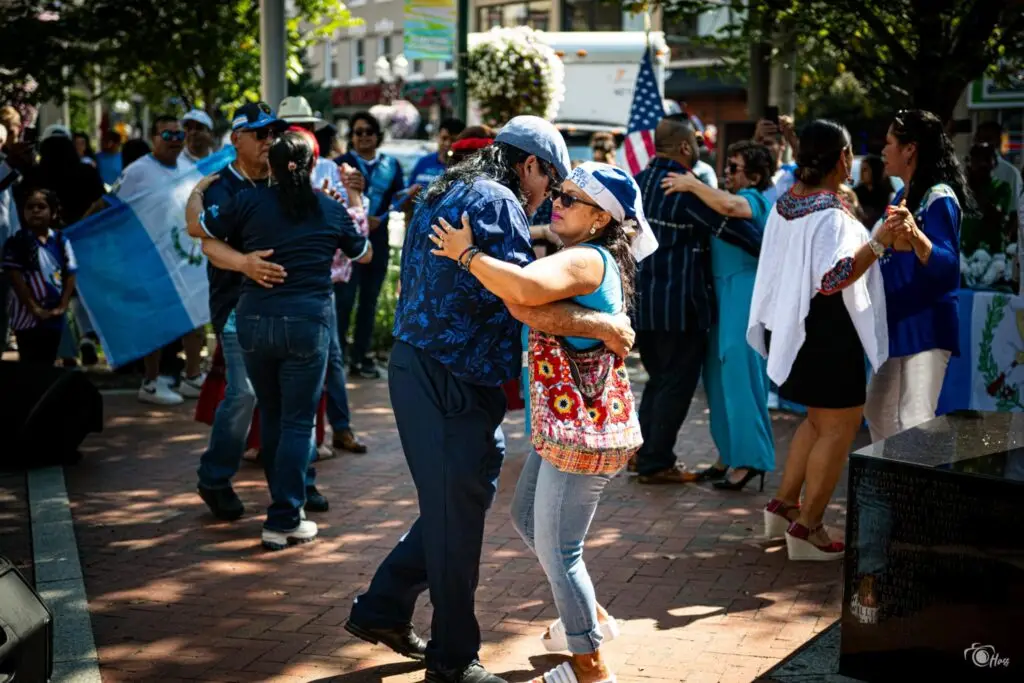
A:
511,72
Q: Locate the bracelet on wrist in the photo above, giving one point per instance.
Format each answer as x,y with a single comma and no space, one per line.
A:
464,263
463,254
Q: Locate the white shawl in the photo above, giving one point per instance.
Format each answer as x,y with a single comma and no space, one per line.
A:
795,255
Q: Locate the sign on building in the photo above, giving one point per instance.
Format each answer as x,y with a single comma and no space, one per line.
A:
429,28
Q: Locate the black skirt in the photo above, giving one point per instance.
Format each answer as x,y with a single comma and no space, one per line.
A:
830,369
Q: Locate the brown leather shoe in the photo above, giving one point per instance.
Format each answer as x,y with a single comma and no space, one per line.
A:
673,475
347,441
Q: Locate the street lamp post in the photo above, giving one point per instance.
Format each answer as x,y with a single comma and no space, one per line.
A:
462,60
272,51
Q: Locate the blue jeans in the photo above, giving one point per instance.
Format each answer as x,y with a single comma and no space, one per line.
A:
286,358
552,511
337,395
452,438
220,461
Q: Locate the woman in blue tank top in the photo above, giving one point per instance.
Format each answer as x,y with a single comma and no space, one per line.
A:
598,216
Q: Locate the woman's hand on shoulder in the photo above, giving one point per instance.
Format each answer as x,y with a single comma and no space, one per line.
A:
451,241
205,183
679,182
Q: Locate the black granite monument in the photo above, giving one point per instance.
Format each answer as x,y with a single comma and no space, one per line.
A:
934,566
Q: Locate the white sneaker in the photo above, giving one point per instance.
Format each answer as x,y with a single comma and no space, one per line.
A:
156,393
191,387
279,540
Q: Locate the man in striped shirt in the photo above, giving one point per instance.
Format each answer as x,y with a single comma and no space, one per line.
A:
675,297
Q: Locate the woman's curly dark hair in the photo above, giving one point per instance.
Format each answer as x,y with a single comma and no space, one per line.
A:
495,162
936,159
291,162
614,239
756,159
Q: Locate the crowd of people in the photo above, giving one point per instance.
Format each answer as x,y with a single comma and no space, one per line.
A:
528,276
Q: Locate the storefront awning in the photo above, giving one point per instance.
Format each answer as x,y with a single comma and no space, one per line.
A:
690,82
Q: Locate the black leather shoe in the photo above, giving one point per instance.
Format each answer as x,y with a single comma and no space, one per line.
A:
474,672
223,503
404,641
315,501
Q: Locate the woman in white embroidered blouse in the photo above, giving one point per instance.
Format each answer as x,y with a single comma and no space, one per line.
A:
818,308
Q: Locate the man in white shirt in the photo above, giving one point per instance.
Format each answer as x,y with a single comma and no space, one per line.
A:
991,133
150,173
198,137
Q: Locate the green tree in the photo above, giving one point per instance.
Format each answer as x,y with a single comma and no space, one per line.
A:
905,53
205,54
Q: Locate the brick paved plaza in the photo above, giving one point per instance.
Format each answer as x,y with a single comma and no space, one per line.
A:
175,595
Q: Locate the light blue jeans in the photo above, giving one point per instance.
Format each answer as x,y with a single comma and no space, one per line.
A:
220,462
552,511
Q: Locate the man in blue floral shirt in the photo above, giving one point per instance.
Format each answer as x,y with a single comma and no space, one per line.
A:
456,344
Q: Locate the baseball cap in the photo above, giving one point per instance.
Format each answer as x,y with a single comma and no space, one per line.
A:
538,137
56,130
296,110
199,116
255,115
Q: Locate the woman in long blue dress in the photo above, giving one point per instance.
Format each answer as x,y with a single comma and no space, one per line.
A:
735,378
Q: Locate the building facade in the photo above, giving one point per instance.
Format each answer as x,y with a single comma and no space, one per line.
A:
348,64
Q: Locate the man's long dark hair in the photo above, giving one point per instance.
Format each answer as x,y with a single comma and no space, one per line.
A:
291,162
495,162
936,159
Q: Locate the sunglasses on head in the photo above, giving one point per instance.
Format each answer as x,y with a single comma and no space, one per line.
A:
172,135
567,200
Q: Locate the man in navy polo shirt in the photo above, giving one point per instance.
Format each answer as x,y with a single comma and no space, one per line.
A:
253,128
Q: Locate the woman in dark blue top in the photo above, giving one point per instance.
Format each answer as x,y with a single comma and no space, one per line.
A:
921,275
284,330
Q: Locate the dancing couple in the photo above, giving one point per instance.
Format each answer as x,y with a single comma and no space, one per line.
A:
468,283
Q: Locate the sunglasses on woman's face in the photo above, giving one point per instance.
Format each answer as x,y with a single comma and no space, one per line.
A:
567,200
172,135
363,132
734,168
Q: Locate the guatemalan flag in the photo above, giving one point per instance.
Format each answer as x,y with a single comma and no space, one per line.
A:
645,113
141,277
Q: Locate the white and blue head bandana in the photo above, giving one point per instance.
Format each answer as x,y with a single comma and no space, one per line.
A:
615,191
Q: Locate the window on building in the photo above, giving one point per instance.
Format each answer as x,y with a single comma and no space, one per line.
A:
384,47
681,26
591,15
358,58
417,66
536,15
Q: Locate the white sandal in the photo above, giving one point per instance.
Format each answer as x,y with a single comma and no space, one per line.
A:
564,673
559,641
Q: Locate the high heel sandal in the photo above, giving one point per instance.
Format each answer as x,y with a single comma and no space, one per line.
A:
777,518
726,485
799,545
713,473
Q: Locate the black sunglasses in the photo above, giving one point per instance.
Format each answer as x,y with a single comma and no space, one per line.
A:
262,134
734,167
363,132
568,200
172,135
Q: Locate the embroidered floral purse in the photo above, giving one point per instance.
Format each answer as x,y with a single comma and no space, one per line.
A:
581,407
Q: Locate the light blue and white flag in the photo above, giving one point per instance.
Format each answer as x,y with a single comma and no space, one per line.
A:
141,277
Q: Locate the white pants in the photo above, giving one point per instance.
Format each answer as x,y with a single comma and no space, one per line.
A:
905,392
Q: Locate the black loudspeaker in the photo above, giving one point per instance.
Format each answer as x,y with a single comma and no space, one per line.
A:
26,630
45,414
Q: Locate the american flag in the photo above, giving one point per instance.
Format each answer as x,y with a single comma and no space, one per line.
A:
644,115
